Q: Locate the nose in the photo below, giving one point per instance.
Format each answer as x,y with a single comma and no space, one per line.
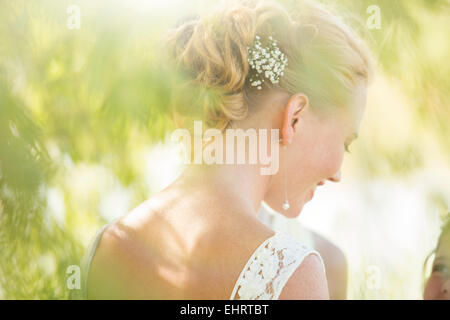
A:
336,177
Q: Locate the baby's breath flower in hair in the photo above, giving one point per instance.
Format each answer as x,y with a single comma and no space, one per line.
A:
265,62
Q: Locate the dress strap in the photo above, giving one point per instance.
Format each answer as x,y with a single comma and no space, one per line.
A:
270,267
90,256
86,264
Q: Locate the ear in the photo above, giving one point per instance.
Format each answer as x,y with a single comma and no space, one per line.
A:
292,113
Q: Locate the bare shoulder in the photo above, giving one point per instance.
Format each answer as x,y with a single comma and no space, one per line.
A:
108,260
308,282
121,255
336,266
331,254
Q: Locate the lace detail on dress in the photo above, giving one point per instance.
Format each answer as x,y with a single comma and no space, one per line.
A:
270,267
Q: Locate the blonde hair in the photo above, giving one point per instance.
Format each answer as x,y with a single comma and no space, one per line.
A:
326,58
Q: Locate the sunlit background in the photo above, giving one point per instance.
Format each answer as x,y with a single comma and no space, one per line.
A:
83,124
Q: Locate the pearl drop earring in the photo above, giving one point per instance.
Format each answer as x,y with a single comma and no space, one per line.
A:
286,205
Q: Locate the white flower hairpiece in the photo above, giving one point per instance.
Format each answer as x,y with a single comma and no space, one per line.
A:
267,62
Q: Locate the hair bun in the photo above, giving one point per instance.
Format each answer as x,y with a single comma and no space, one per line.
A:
212,53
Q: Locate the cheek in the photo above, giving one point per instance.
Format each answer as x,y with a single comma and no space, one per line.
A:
318,159
317,153
334,159
328,157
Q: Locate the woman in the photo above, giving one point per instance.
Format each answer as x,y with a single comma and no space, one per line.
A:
438,284
200,238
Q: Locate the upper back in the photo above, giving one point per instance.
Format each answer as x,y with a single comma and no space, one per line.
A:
151,256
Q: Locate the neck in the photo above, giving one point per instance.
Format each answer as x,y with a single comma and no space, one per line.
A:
242,185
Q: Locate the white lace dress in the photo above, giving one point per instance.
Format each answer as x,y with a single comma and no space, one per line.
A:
270,267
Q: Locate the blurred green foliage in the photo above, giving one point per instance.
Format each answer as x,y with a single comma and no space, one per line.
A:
91,99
